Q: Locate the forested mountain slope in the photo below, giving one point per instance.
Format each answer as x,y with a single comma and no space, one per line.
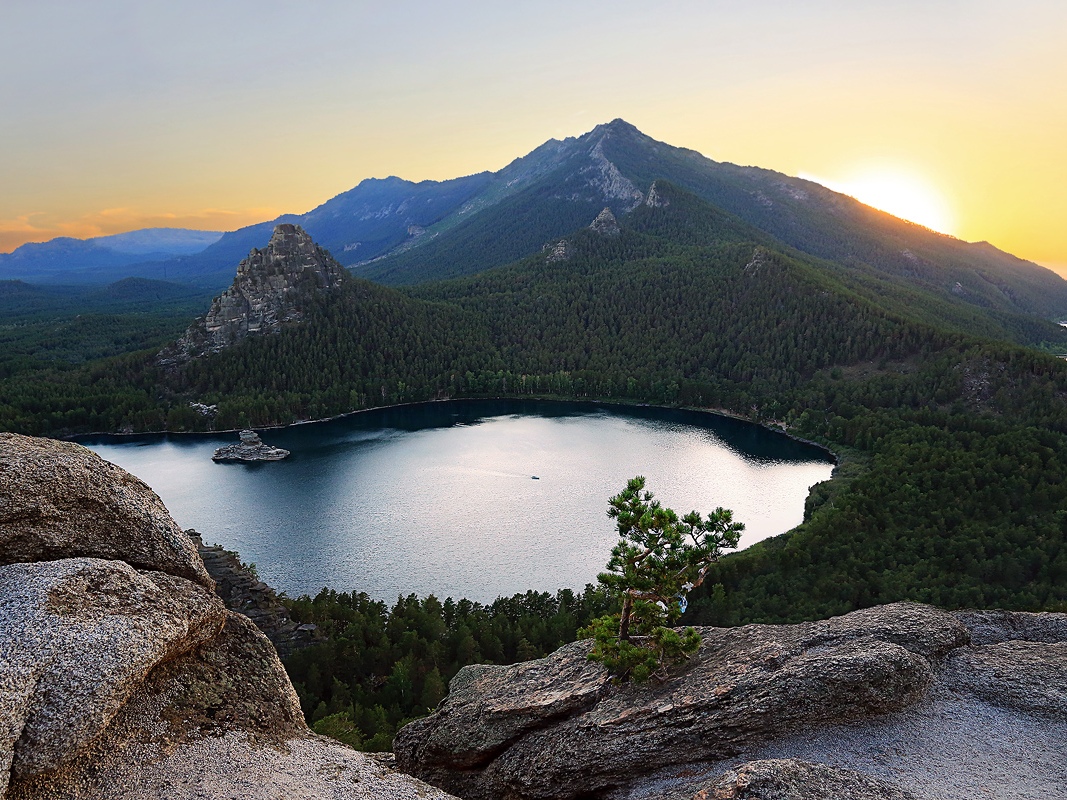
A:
614,165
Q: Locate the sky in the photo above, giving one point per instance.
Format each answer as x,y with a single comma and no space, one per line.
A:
120,115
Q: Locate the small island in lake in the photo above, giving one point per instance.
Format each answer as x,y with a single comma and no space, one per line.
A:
250,448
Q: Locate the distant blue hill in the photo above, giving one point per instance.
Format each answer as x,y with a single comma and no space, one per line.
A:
103,259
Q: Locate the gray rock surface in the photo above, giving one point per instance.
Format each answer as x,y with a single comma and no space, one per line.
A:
1029,676
655,199
270,290
61,500
557,252
249,448
605,224
77,638
949,746
558,728
118,682
789,779
219,722
994,626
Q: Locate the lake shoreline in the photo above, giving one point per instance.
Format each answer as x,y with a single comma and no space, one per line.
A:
715,412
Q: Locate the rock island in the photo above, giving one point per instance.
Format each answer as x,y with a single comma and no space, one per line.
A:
250,448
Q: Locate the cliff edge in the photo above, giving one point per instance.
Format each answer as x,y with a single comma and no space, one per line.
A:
897,702
122,674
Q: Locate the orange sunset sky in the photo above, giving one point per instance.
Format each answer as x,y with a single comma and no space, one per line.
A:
123,115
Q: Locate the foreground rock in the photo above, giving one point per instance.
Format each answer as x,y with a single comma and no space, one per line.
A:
1028,676
789,779
558,728
250,448
60,500
119,682
77,637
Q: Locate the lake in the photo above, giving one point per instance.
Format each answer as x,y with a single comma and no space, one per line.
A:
441,498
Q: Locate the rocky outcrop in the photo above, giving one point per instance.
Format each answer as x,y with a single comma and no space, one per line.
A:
896,702
655,199
250,448
559,728
242,591
555,253
789,779
605,224
271,290
78,636
122,680
60,500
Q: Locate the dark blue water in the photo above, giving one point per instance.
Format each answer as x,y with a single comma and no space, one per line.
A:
440,497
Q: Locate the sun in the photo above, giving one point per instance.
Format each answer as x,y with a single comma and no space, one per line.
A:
897,191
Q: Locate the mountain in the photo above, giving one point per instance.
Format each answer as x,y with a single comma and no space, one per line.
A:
614,164
397,232
375,217
270,291
952,438
102,259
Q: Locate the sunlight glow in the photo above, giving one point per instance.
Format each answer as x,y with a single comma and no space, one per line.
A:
897,192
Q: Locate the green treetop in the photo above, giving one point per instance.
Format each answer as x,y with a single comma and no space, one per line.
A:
657,561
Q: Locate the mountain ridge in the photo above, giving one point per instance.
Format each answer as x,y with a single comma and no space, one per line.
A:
397,231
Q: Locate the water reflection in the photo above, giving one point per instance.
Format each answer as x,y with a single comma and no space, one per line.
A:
440,498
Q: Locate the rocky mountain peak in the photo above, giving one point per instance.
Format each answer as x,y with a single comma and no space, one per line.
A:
617,126
291,253
270,290
605,223
656,199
